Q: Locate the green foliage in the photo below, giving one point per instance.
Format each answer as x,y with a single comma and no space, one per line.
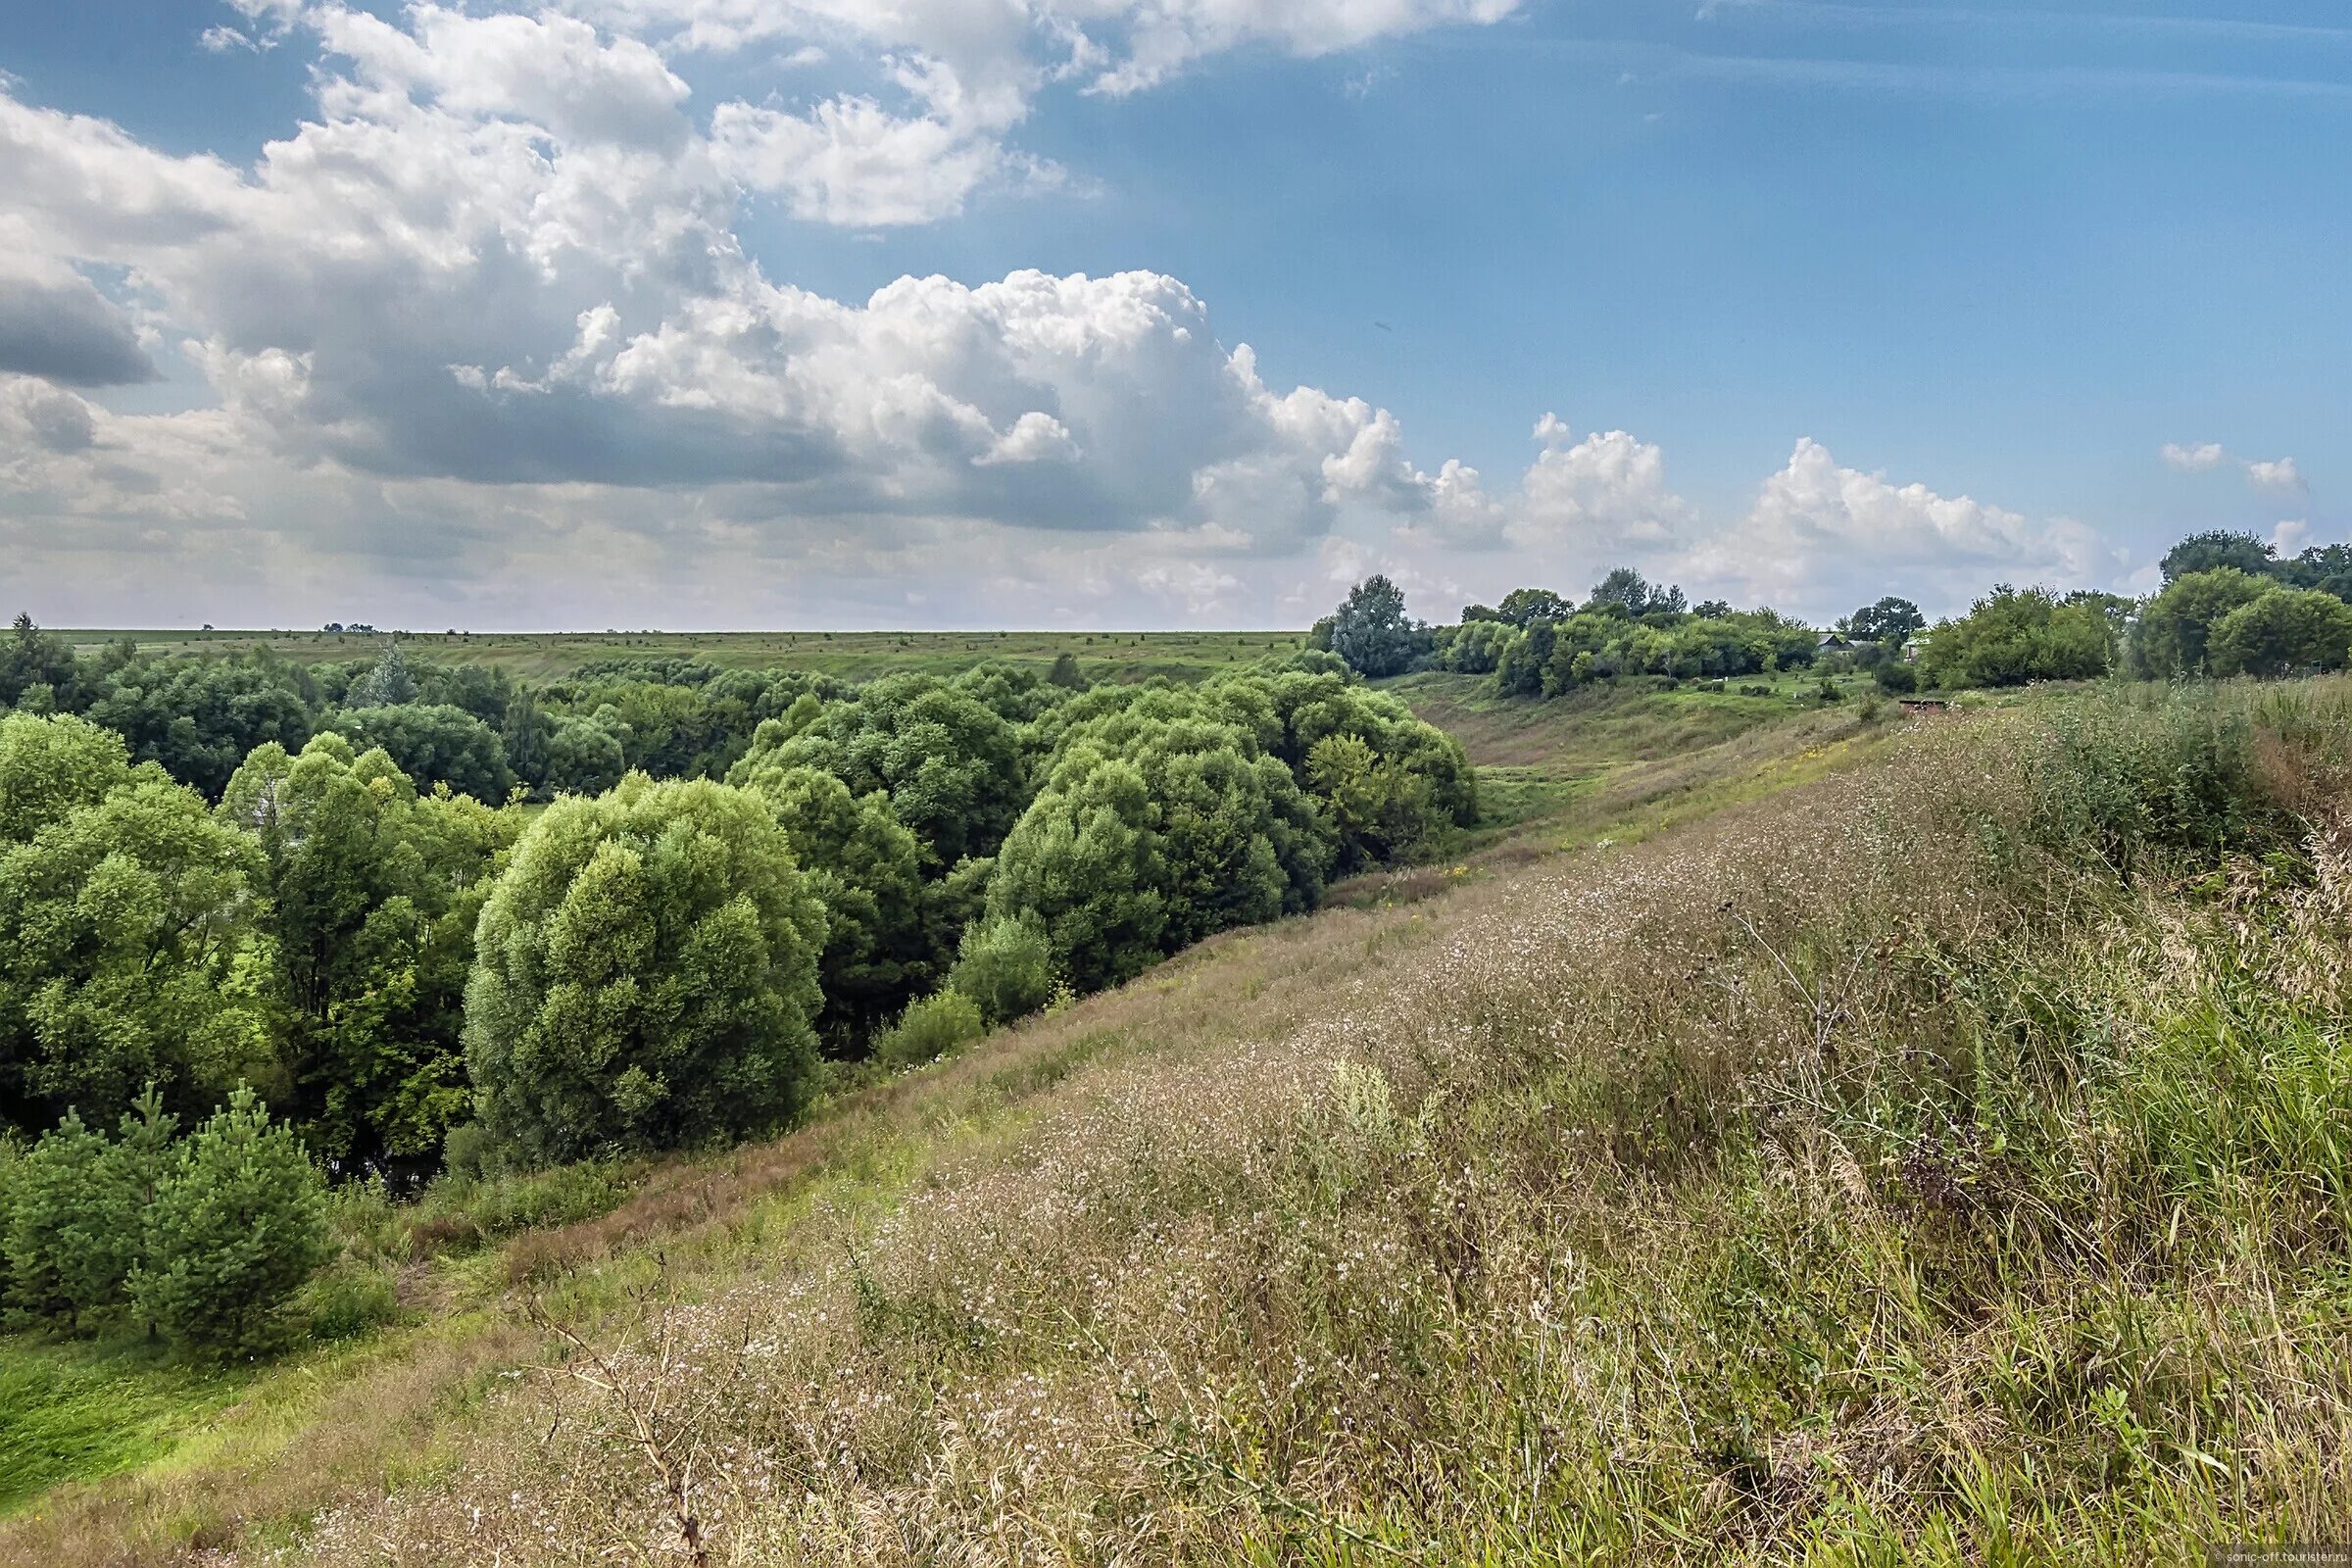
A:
388,684
347,1301
584,757
372,893
866,869
1379,808
433,744
1156,826
2216,549
51,765
2016,635
1474,648
1006,966
1085,858
486,691
1896,676
2284,631
1558,654
121,918
524,731
936,1026
1371,631
1526,606
1288,713
1889,621
2176,625
2129,770
671,718
236,1226
39,665
1626,590
58,1254
198,717
951,765
2326,568
646,974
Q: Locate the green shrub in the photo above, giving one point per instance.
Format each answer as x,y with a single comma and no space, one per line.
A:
349,1299
1006,966
57,1265
2129,769
472,1207
238,1225
934,1027
470,1149
364,1217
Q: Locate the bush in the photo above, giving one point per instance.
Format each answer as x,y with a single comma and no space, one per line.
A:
1896,677
350,1299
1006,966
238,1225
53,1191
936,1026
645,975
484,1207
2130,769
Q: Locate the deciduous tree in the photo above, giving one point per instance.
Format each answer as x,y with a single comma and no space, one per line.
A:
646,975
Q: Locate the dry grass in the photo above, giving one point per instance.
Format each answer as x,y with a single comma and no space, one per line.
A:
1859,1174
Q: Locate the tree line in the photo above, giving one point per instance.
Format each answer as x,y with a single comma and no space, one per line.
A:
2230,606
366,944
1537,643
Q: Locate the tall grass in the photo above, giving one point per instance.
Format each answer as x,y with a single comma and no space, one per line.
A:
1945,1162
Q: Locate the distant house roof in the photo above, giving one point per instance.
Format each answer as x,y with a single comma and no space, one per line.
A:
1834,639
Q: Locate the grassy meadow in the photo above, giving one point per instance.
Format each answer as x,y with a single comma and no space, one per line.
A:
1786,1134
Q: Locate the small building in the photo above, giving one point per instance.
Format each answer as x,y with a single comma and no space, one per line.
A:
1914,647
1834,639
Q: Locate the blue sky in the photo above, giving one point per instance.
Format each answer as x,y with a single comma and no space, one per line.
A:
1826,301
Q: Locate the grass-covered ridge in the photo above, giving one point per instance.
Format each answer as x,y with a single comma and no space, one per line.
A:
1941,1157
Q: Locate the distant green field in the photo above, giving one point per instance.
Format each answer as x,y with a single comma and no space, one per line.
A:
852,654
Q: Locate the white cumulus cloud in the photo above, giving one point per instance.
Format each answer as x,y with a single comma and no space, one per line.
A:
1822,537
2280,477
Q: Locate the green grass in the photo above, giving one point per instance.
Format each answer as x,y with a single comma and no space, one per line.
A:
850,655
71,1412
1620,761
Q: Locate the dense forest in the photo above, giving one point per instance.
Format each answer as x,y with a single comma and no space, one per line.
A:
388,917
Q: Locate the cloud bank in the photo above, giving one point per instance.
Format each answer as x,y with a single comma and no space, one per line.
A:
479,342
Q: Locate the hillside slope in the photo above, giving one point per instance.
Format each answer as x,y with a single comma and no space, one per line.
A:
1863,1169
